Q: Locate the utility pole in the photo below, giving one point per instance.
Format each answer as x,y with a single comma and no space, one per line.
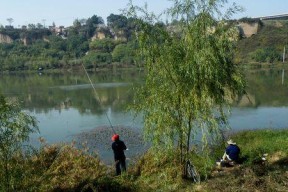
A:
284,54
283,73
43,20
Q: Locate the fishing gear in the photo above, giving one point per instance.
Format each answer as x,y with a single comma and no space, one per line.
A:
99,99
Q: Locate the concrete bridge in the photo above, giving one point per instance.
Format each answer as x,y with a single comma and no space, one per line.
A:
247,29
274,17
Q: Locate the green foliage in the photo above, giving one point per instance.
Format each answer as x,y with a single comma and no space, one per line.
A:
165,171
11,32
190,79
269,54
36,46
103,45
15,127
36,33
120,24
78,45
92,23
255,143
272,36
66,168
125,53
57,43
119,52
97,59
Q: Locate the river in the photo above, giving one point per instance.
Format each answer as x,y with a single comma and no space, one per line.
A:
65,104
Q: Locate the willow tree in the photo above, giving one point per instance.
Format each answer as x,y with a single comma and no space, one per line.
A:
191,78
15,128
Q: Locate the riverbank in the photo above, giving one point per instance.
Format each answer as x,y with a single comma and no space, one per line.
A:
118,66
253,175
65,168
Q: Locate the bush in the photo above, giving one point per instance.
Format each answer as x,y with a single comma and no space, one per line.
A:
268,54
15,128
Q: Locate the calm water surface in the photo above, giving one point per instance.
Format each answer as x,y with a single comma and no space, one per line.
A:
66,105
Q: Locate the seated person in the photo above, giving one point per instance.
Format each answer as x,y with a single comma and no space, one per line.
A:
231,155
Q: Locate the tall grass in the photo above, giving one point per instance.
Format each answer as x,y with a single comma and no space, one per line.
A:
255,143
66,168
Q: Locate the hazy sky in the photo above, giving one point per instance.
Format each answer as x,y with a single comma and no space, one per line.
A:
64,12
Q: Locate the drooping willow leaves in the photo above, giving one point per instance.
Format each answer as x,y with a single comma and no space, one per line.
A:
191,78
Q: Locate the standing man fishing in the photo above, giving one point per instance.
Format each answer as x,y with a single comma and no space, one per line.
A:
118,147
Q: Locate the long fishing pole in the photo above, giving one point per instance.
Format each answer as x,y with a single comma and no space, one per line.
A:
96,94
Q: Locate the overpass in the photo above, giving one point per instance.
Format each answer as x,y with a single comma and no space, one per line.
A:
274,17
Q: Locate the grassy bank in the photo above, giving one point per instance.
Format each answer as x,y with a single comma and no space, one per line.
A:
255,174
65,168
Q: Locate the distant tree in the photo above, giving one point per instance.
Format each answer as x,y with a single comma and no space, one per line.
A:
76,24
77,45
39,26
124,53
95,20
117,21
31,26
10,21
119,52
82,21
122,25
97,59
268,54
92,24
79,28
57,43
103,45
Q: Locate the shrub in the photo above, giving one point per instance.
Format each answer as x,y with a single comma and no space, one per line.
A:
268,54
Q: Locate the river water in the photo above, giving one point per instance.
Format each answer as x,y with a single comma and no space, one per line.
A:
66,105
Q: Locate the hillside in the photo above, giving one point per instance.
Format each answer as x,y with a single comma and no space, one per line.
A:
87,41
96,45
266,46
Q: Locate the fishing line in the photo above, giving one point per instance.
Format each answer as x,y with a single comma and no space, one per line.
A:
96,94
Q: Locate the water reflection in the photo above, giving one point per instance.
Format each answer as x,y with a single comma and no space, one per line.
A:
65,104
266,88
62,91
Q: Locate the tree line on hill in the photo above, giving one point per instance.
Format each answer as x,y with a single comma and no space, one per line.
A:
96,45
87,41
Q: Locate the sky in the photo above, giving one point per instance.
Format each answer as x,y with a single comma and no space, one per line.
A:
64,12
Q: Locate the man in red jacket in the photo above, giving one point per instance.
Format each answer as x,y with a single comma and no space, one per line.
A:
118,147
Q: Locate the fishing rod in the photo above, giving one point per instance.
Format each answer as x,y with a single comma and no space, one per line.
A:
96,94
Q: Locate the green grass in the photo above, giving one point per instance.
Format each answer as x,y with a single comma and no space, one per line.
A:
255,143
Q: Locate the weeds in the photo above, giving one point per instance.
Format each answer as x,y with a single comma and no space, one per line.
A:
66,168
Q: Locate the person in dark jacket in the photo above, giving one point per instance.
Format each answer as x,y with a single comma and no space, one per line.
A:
118,147
232,152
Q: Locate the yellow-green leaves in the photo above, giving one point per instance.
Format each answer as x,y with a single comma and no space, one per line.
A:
190,74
